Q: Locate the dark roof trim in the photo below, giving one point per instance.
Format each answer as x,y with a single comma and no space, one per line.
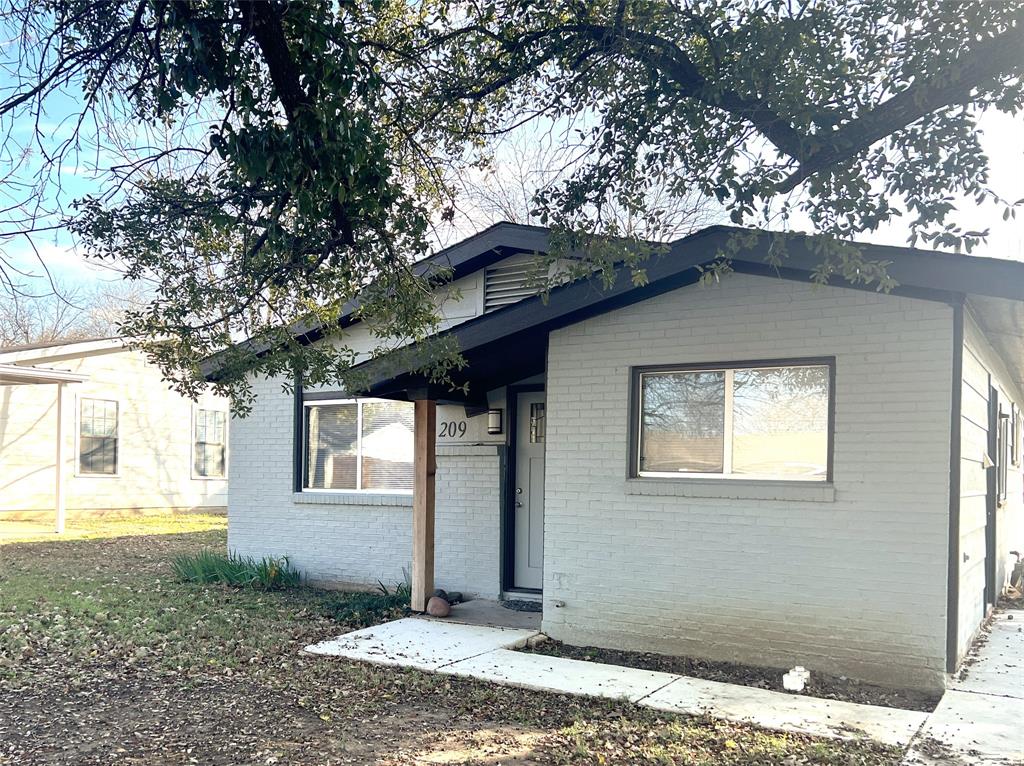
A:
921,274
493,244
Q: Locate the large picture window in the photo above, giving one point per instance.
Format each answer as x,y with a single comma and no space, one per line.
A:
209,446
362,444
97,437
762,421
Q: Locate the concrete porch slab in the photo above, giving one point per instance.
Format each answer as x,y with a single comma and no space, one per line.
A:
558,674
787,712
421,644
489,613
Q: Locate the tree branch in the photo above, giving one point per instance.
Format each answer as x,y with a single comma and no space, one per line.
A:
995,57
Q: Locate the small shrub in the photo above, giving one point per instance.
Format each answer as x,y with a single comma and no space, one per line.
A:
207,566
361,610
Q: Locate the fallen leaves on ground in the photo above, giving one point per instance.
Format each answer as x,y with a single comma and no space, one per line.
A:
106,659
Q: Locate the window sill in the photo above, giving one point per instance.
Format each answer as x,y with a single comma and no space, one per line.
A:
736,489
352,498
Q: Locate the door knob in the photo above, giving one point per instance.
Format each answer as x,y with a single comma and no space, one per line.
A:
519,503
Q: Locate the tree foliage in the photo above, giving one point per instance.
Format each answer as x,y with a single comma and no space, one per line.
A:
840,115
269,164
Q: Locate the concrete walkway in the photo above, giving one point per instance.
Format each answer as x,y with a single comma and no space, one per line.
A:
484,653
980,719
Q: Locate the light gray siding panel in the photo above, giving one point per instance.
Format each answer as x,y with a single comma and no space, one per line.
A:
981,364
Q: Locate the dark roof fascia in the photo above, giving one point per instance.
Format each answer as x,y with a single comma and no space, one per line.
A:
923,275
953,273
493,244
929,275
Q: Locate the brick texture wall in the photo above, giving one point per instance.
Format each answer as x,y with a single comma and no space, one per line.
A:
352,540
847,580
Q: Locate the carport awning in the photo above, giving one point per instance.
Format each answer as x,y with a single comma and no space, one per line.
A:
17,375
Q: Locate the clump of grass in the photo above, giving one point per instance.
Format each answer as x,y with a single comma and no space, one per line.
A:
364,609
206,566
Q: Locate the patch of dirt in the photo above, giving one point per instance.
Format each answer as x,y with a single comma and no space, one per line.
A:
820,685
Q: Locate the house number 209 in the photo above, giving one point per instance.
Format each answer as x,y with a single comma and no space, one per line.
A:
451,429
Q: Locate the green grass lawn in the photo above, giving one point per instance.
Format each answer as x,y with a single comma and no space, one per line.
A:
105,658
100,527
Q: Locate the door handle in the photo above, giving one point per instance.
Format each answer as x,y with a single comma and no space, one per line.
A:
519,503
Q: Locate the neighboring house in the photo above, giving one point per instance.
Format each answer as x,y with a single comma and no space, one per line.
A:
130,443
763,470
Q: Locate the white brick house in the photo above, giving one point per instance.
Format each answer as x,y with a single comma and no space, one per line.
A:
91,426
763,471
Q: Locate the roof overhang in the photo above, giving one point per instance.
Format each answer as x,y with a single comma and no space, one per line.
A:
17,375
59,351
493,244
511,344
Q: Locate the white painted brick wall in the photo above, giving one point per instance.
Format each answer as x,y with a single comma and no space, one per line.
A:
856,585
336,541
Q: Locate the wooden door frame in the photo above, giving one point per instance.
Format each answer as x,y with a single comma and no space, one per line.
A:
508,553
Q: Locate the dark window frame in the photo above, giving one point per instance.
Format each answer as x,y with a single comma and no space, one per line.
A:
634,420
330,399
81,453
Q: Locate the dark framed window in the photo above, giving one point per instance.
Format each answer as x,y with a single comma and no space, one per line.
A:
209,443
358,445
97,437
746,420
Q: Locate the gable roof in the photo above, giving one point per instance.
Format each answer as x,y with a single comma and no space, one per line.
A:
493,244
515,337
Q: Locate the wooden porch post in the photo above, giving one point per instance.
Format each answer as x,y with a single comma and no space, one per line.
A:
424,469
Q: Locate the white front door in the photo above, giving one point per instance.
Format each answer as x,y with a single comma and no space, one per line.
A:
531,428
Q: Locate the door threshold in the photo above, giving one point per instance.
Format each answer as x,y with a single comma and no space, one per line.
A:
522,595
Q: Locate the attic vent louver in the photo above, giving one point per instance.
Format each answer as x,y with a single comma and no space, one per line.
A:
511,281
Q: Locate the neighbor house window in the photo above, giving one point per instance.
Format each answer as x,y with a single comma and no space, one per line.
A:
97,437
209,443
362,444
763,421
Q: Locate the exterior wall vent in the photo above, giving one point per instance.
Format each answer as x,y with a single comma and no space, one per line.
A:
512,280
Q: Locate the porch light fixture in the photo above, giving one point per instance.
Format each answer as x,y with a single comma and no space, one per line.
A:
494,421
